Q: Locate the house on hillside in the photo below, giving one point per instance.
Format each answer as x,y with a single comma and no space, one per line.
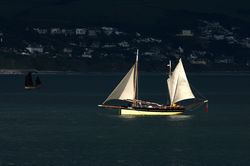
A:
198,61
95,44
35,49
55,31
67,32
93,32
109,46
186,33
81,31
67,50
224,60
245,42
41,31
108,30
219,36
123,44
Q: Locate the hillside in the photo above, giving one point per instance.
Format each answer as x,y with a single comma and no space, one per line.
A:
206,42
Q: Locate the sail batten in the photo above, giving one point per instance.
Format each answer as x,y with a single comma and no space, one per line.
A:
126,88
178,85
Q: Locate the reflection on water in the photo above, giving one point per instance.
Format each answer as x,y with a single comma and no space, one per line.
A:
169,118
180,117
129,117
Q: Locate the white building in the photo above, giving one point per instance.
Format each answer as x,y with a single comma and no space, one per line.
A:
224,60
186,32
81,31
92,33
55,31
219,37
40,31
67,50
198,62
109,46
85,55
148,40
67,32
95,45
108,30
35,49
246,42
123,44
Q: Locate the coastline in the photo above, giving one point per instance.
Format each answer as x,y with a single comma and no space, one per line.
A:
51,72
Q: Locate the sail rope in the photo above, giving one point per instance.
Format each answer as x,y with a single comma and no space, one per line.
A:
200,95
194,106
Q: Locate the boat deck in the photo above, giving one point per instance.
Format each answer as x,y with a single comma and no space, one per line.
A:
150,109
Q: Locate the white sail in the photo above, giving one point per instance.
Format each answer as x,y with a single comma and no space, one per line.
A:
126,88
178,85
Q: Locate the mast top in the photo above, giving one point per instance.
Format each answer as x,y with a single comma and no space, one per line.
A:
137,54
169,65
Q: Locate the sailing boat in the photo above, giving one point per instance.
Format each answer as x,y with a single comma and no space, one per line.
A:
178,87
29,82
38,82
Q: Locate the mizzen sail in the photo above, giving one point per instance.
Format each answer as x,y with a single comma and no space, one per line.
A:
178,85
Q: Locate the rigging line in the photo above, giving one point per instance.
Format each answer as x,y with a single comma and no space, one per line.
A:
198,92
137,78
194,106
168,78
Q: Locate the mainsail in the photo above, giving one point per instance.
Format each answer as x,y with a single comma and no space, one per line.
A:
126,89
178,85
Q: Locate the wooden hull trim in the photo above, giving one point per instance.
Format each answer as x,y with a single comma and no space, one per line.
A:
140,112
169,110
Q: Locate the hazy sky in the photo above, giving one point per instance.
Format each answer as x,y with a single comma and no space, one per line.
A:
113,10
208,5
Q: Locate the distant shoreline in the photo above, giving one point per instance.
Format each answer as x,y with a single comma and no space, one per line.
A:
25,71
48,72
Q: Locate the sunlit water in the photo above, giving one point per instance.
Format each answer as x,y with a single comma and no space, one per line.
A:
60,124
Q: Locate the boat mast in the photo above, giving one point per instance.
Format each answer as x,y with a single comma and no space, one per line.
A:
169,65
136,76
169,75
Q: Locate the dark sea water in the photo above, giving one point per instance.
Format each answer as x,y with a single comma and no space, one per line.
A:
60,124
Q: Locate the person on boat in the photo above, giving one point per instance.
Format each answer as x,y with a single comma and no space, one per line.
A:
139,104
